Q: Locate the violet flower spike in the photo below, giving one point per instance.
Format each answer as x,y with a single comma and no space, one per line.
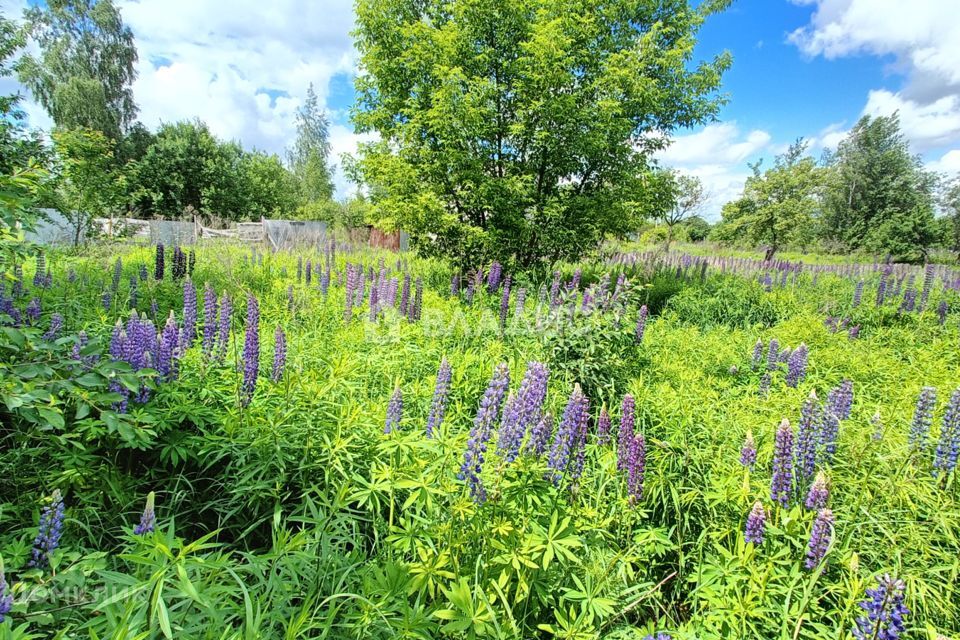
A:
394,411
781,483
440,393
821,535
756,524
148,520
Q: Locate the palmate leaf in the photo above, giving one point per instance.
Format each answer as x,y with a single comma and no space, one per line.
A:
556,541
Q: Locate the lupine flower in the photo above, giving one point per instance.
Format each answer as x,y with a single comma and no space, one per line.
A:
857,294
48,536
922,419
540,435
566,441
493,278
279,353
223,329
168,348
808,432
948,447
505,303
158,263
117,273
882,287
821,535
756,524
555,290
374,303
603,426
797,366
840,399
819,493
33,310
455,285
928,277
209,318
56,324
660,636
394,411
575,281
189,312
439,403
641,324
251,349
757,355
405,295
884,611
519,302
480,432
765,381
636,467
854,332
6,597
773,354
625,433
781,483
909,302
417,306
942,312
523,411
748,453
106,300
148,520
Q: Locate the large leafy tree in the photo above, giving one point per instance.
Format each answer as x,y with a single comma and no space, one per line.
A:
86,66
309,156
779,206
684,198
950,204
879,198
521,129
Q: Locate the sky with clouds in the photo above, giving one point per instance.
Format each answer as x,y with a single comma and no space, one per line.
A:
802,68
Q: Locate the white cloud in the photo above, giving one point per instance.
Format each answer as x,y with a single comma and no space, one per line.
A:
923,40
948,163
717,154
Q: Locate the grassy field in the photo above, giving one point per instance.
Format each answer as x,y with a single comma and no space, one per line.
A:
340,491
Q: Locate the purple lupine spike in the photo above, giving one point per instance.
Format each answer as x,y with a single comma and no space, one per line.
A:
636,467
279,353
922,419
555,290
625,433
819,493
167,348
56,324
251,349
505,303
808,434
509,436
439,403
48,535
309,273
6,597
840,399
579,444
877,423
526,411
209,318
748,453
882,286
223,328
909,302
756,524
158,265
325,283
38,274
33,310
519,302
942,309
575,281
417,307
797,366
394,411
928,277
660,636
948,446
540,435
781,483
493,277
476,449
885,612
455,285
641,324
189,312
405,295
566,439
148,520
854,332
374,303
757,355
299,268
765,381
603,426
821,534
773,355
857,294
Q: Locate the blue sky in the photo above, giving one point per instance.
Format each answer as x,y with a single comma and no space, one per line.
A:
805,68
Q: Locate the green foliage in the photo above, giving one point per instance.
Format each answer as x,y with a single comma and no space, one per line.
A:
878,195
86,67
521,130
310,153
88,183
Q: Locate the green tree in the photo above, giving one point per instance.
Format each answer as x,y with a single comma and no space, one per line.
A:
683,197
18,146
89,183
779,206
310,153
269,188
86,66
521,129
698,229
879,198
950,205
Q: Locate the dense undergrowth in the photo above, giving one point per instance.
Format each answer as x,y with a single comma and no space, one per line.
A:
288,512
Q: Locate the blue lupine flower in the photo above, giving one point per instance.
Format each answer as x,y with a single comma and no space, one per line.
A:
439,403
566,441
279,353
480,433
781,483
922,419
819,493
148,520
748,453
641,324
6,597
625,433
885,611
394,411
209,319
821,534
756,524
948,447
251,349
603,426
757,355
48,535
797,366
808,431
